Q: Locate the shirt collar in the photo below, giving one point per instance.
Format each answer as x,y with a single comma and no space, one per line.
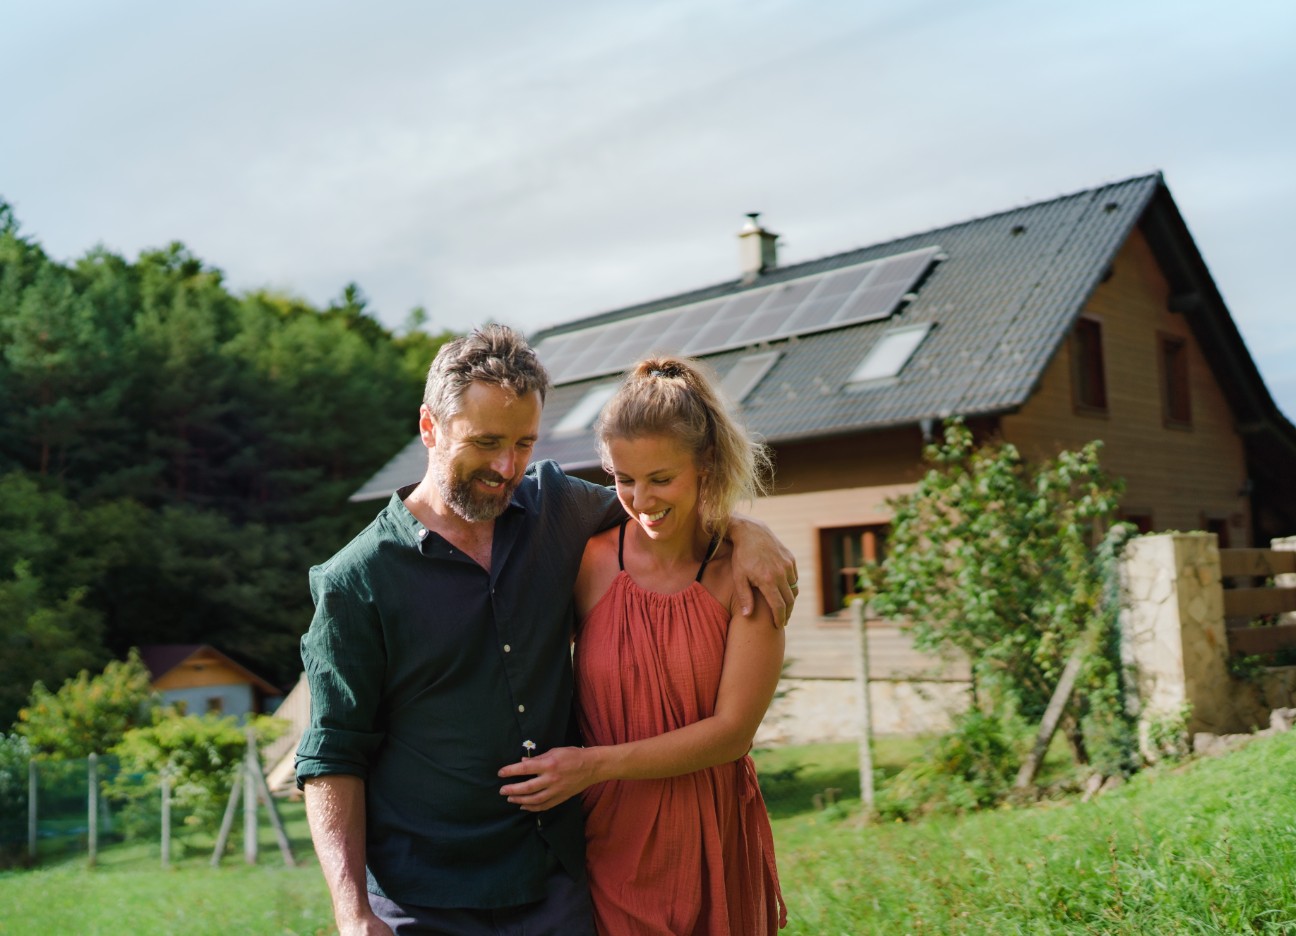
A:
411,530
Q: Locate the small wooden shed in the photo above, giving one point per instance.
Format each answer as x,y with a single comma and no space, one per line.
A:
200,679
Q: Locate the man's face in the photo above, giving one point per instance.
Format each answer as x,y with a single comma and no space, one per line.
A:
478,455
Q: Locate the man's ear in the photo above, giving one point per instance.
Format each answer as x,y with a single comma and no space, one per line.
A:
427,426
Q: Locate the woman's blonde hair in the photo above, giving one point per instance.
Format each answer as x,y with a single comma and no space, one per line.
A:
675,397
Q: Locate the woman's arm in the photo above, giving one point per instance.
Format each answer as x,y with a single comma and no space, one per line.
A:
753,662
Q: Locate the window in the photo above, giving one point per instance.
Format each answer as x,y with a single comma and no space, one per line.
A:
889,356
1142,519
842,552
1176,405
1218,526
1089,383
581,416
746,374
215,705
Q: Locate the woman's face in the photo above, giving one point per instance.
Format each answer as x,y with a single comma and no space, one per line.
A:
658,483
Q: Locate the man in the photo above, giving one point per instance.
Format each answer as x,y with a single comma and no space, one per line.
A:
440,651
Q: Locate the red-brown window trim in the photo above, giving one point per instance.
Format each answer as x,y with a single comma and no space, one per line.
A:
867,539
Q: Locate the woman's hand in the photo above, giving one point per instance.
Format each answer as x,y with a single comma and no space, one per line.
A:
555,777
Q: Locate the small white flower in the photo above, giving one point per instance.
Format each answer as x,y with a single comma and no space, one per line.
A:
528,747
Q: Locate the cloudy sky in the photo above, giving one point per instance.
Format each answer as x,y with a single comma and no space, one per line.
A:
534,162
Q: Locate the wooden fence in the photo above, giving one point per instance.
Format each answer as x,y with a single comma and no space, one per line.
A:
1268,605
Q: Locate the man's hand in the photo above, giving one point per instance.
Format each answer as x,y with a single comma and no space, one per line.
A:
760,560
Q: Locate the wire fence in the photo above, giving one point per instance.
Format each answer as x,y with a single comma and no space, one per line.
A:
48,810
53,808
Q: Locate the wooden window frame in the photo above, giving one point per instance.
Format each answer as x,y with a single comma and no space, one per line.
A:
1086,360
833,580
1219,525
1145,520
1176,390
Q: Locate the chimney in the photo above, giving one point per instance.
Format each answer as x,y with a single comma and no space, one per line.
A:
757,252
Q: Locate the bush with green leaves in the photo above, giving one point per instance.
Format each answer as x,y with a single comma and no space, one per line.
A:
967,769
89,714
1004,560
200,753
15,754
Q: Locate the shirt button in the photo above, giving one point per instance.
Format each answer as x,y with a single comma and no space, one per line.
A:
521,708
422,533
539,824
508,648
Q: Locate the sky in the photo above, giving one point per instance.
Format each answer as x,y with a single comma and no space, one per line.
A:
533,163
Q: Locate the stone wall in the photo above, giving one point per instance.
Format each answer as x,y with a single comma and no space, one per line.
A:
823,710
1174,644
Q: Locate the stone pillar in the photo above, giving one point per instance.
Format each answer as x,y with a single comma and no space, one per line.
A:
1172,632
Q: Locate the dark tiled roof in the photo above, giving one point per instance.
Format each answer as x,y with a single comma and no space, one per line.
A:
1000,303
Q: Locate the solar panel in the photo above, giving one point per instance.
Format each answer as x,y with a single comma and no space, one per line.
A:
862,293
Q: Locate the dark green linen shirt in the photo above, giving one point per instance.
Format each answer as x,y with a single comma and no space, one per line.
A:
426,675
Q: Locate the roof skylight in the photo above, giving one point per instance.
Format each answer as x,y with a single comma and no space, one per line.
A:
581,416
889,356
746,374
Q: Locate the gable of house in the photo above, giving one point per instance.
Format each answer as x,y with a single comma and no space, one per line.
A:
200,679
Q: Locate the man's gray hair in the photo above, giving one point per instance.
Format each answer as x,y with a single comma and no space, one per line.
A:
493,354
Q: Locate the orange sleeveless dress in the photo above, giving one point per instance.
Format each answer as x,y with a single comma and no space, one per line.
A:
684,855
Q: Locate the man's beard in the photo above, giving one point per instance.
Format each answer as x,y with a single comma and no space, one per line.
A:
468,503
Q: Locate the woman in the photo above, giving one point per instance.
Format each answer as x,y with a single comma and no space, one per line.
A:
672,682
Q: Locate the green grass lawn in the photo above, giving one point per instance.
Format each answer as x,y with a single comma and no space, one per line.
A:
129,892
1206,848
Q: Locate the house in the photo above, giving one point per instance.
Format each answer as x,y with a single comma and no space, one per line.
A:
199,679
1091,316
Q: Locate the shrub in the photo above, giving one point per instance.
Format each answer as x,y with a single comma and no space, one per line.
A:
88,714
15,753
201,755
970,768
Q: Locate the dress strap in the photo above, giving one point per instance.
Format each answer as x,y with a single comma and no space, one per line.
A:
621,546
711,548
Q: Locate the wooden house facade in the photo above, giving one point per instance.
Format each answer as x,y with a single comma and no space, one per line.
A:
1091,316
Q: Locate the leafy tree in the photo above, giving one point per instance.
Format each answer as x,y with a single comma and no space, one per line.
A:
173,456
200,753
89,714
42,638
996,557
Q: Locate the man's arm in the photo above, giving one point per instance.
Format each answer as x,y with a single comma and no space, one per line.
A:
761,560
335,810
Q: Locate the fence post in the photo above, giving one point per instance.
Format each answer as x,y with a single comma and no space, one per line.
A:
249,803
31,809
258,776
866,712
1285,579
92,806
166,819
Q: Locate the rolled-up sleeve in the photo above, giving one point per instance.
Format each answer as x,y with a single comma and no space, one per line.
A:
344,660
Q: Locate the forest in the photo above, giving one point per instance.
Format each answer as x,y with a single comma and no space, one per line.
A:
175,456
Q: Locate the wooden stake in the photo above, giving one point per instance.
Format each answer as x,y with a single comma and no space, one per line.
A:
227,822
866,713
1052,716
92,806
166,820
31,809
